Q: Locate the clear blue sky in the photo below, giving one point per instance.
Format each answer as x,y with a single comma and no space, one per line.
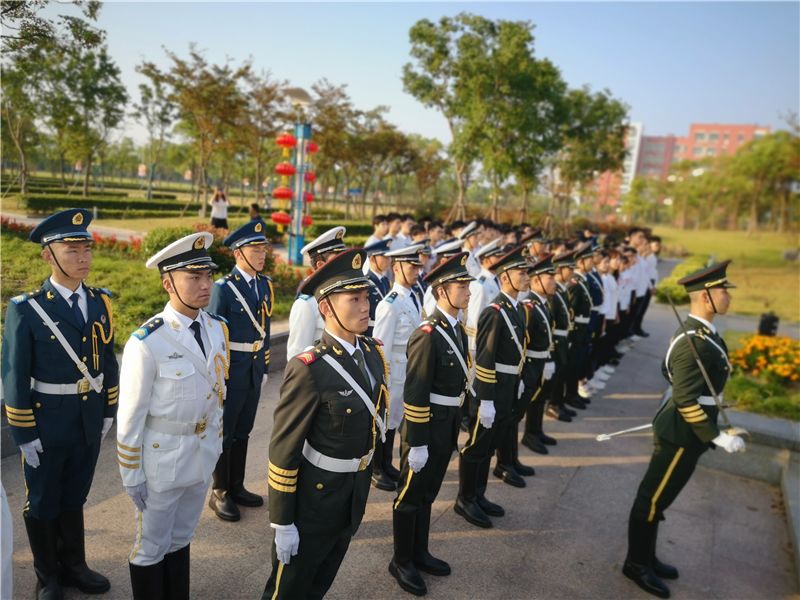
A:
673,63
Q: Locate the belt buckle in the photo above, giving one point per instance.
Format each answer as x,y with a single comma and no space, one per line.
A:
83,386
256,345
201,426
365,460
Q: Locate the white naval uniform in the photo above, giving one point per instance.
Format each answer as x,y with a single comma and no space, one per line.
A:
473,264
305,325
167,384
482,291
396,318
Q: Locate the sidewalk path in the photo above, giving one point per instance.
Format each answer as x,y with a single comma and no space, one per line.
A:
564,535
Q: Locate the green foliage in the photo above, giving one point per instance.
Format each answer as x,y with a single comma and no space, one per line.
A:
36,189
764,397
49,203
669,288
161,237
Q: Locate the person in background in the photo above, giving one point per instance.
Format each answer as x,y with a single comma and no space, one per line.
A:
219,209
255,213
380,229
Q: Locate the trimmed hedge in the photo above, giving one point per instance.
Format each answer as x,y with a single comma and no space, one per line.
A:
35,189
50,203
668,287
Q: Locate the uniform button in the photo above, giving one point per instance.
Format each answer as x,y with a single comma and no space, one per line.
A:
52,337
84,359
349,410
178,373
38,405
208,397
320,486
255,356
85,398
84,338
155,445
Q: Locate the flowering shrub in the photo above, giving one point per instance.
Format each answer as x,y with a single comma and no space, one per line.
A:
774,358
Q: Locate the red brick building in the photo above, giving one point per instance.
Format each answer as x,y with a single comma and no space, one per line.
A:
715,139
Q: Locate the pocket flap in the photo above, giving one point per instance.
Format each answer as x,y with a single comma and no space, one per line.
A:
175,370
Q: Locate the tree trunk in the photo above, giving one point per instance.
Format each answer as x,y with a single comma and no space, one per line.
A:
87,169
258,182
782,217
752,223
458,212
524,212
204,184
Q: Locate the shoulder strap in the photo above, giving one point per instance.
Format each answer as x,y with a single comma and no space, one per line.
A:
458,355
358,389
246,306
513,332
546,322
96,384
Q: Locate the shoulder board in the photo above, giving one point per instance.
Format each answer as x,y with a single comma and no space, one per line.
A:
148,328
303,297
265,277
217,317
495,306
482,278
427,328
104,291
225,278
391,297
373,340
308,357
26,296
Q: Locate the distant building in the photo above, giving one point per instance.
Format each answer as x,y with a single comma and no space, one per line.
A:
655,156
715,139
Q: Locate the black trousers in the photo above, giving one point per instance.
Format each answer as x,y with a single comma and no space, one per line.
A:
239,412
643,303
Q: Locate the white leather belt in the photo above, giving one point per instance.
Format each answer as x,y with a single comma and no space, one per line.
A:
582,320
596,308
507,369
82,386
247,346
537,353
708,400
445,400
561,332
336,465
162,425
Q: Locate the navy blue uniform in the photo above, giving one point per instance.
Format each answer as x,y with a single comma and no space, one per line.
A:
379,287
69,424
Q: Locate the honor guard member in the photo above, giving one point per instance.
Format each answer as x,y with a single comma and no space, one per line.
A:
562,315
595,285
540,364
244,298
396,318
379,285
169,433
469,236
437,368
685,425
484,288
330,414
498,364
305,321
444,251
60,385
538,245
580,339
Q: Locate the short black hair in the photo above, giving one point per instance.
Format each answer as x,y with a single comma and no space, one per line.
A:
378,219
393,216
416,229
254,207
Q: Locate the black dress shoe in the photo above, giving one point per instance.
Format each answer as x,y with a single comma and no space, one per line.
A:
383,482
534,443
86,580
569,412
664,570
523,470
575,402
490,508
509,475
614,361
642,333
243,497
223,506
547,440
392,472
408,577
472,512
557,414
644,577
432,565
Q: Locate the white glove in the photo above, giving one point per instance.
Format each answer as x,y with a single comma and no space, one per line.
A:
520,389
417,458
731,443
107,423
30,451
264,379
486,413
287,541
549,369
138,494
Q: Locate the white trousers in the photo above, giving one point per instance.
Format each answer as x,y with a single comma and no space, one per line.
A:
396,405
6,549
168,523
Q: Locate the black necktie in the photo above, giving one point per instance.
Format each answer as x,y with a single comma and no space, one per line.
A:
414,299
358,355
196,329
254,289
76,310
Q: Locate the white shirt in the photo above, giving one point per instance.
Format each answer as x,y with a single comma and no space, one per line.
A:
351,350
187,322
609,308
708,324
219,209
247,279
452,320
66,293
513,301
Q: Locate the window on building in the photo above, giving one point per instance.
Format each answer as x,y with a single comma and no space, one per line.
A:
697,151
759,134
679,148
713,137
725,137
740,138
699,136
711,151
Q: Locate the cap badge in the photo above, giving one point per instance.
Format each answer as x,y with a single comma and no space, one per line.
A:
77,219
463,260
258,228
199,243
339,234
357,261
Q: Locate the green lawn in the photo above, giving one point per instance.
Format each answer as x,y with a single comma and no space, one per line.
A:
765,280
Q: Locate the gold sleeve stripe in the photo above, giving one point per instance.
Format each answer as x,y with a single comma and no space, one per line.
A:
288,489
696,419
127,457
694,413
113,389
112,402
21,423
279,479
126,466
484,369
416,409
19,411
129,448
413,419
485,379
21,417
286,472
691,408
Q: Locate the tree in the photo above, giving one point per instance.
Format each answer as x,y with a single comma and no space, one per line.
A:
209,101
158,113
429,164
19,108
25,28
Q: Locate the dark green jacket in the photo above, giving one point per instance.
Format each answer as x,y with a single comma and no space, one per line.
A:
538,333
682,420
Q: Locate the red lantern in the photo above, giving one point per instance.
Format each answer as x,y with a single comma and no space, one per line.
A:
310,177
286,140
281,218
308,196
311,147
286,169
307,220
282,193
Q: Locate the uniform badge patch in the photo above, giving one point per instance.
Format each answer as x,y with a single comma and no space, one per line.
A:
103,319
345,393
258,228
357,261
77,219
199,243
175,355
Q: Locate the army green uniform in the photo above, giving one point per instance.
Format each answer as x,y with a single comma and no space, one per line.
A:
559,305
540,346
320,413
580,338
